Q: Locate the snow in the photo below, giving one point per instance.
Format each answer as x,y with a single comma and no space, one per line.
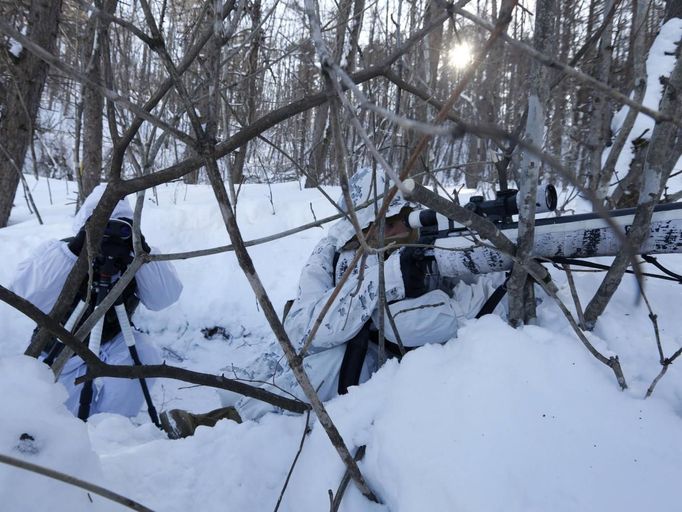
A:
15,47
37,427
497,419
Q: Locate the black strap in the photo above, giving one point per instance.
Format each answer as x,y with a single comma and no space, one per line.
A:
655,263
337,255
392,349
353,359
599,266
494,299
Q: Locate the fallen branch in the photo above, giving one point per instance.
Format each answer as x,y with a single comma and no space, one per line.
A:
203,379
72,480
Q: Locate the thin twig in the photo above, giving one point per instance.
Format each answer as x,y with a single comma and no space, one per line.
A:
654,320
666,363
574,293
306,430
336,502
72,480
27,190
555,64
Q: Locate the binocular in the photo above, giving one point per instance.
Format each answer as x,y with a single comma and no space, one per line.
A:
119,228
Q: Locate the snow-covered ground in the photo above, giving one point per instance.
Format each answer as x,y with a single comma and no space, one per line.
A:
496,419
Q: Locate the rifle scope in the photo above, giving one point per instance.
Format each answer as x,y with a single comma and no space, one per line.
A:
498,210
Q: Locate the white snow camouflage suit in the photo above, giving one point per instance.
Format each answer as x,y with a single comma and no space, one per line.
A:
430,318
40,279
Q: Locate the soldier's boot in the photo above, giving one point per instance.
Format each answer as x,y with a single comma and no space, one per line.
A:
178,423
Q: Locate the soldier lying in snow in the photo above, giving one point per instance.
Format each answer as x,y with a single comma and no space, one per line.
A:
344,349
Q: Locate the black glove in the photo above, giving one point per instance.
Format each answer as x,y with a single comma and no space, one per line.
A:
145,245
413,265
118,251
77,242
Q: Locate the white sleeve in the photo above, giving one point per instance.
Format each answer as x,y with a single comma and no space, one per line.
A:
429,318
158,285
470,298
41,277
351,308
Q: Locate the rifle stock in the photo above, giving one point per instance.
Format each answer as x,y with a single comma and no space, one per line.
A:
573,236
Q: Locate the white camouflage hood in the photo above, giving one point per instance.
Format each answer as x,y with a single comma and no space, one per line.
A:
361,191
122,209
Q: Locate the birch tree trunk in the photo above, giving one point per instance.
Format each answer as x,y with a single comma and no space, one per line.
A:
639,73
665,148
521,296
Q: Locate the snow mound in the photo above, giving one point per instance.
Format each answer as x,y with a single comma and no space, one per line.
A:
37,428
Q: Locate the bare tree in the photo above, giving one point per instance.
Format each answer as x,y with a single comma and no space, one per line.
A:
600,104
97,32
639,78
26,78
665,148
521,296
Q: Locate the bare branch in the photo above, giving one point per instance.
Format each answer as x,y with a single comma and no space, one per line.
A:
72,480
574,294
55,62
554,64
306,430
203,379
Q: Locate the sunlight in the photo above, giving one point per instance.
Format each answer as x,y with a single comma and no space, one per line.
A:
461,55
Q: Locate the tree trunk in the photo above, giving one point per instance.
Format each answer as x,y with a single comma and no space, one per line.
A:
521,296
321,133
425,69
253,89
93,102
639,74
23,100
665,148
93,106
600,112
673,9
559,125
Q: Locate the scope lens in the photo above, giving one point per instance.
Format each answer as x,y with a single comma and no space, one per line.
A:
551,198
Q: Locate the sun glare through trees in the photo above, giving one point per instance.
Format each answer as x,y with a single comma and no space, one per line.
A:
461,55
